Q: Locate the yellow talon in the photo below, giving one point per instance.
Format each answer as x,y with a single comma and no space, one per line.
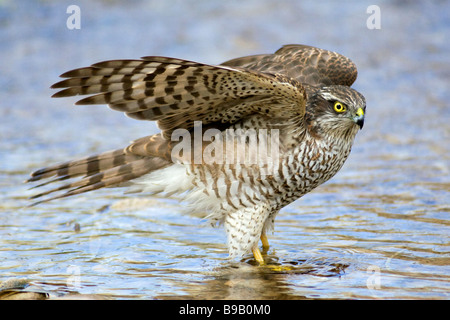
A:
275,268
258,256
265,241
257,253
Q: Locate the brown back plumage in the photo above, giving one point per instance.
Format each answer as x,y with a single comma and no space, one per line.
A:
306,64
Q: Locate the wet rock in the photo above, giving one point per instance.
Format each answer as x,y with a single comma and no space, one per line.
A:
20,289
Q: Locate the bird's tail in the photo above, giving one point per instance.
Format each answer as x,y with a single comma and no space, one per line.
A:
108,169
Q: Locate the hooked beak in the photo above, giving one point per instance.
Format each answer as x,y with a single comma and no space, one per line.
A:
359,118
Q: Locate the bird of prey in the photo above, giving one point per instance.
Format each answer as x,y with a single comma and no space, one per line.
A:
239,140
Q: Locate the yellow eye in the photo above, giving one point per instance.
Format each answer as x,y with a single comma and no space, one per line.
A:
339,107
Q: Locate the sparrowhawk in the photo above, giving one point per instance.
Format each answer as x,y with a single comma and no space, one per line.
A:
299,99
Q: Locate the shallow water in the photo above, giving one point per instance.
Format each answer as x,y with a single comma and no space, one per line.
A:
379,229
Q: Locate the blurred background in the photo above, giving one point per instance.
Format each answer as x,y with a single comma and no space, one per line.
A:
379,229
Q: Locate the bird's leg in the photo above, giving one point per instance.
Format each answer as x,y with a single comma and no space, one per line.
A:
265,242
258,256
265,246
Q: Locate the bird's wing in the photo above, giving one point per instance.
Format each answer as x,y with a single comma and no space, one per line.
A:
306,64
177,92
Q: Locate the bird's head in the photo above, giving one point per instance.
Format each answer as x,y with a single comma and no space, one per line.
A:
336,110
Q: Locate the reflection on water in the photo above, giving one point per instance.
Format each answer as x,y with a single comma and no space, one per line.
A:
346,251
379,229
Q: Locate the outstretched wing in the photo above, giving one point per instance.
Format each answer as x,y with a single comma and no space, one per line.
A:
177,92
306,64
